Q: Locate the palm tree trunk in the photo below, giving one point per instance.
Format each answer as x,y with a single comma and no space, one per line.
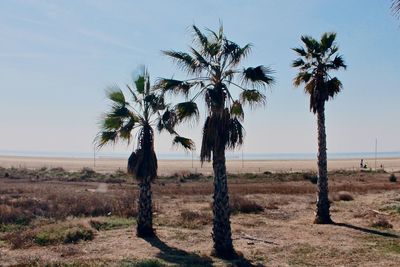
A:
222,235
322,211
145,216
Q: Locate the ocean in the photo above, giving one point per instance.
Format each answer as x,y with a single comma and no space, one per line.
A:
188,156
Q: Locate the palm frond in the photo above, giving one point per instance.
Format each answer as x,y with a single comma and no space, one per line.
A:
337,63
333,87
134,96
140,84
186,143
175,86
112,123
301,77
125,132
309,87
252,97
187,110
327,40
298,63
259,76
312,45
201,39
156,101
116,95
106,137
300,51
235,133
200,61
235,53
167,121
236,110
184,61
119,111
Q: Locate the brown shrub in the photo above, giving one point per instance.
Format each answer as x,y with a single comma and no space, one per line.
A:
194,219
14,215
381,223
240,204
20,239
50,235
60,204
342,196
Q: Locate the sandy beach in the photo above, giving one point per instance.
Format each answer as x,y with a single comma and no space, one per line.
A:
173,166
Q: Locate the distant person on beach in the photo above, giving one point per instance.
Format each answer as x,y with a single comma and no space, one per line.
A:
362,164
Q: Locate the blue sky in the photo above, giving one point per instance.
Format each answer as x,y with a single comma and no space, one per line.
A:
57,58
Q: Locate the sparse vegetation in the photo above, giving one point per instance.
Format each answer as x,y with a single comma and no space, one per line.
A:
381,222
392,178
50,235
103,224
195,219
342,196
313,178
184,217
240,204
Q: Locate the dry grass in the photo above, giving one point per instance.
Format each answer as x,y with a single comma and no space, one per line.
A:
54,201
342,196
195,219
273,233
381,222
240,204
50,235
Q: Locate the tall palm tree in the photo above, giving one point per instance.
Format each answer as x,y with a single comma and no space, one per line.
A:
316,60
212,66
139,115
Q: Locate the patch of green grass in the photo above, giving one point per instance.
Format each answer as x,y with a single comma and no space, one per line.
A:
56,235
4,228
384,245
110,223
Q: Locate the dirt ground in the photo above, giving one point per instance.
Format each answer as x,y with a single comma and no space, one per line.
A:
281,235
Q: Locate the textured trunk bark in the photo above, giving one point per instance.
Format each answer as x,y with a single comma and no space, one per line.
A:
145,216
222,235
322,210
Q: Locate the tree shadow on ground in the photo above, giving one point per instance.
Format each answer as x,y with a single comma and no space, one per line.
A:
367,230
178,256
182,258
241,261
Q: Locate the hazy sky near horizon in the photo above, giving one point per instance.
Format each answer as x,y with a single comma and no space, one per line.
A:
57,58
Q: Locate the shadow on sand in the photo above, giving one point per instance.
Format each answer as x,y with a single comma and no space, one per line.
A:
182,258
366,230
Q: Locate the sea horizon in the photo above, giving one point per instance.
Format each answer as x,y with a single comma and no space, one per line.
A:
188,156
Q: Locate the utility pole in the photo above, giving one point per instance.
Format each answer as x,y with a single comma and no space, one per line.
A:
376,151
242,159
192,159
94,157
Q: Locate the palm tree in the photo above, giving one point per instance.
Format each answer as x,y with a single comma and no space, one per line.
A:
316,60
140,116
212,69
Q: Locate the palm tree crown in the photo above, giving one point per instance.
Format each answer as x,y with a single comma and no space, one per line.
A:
212,65
141,114
316,60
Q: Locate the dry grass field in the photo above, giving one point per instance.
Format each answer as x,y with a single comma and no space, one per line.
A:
50,217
